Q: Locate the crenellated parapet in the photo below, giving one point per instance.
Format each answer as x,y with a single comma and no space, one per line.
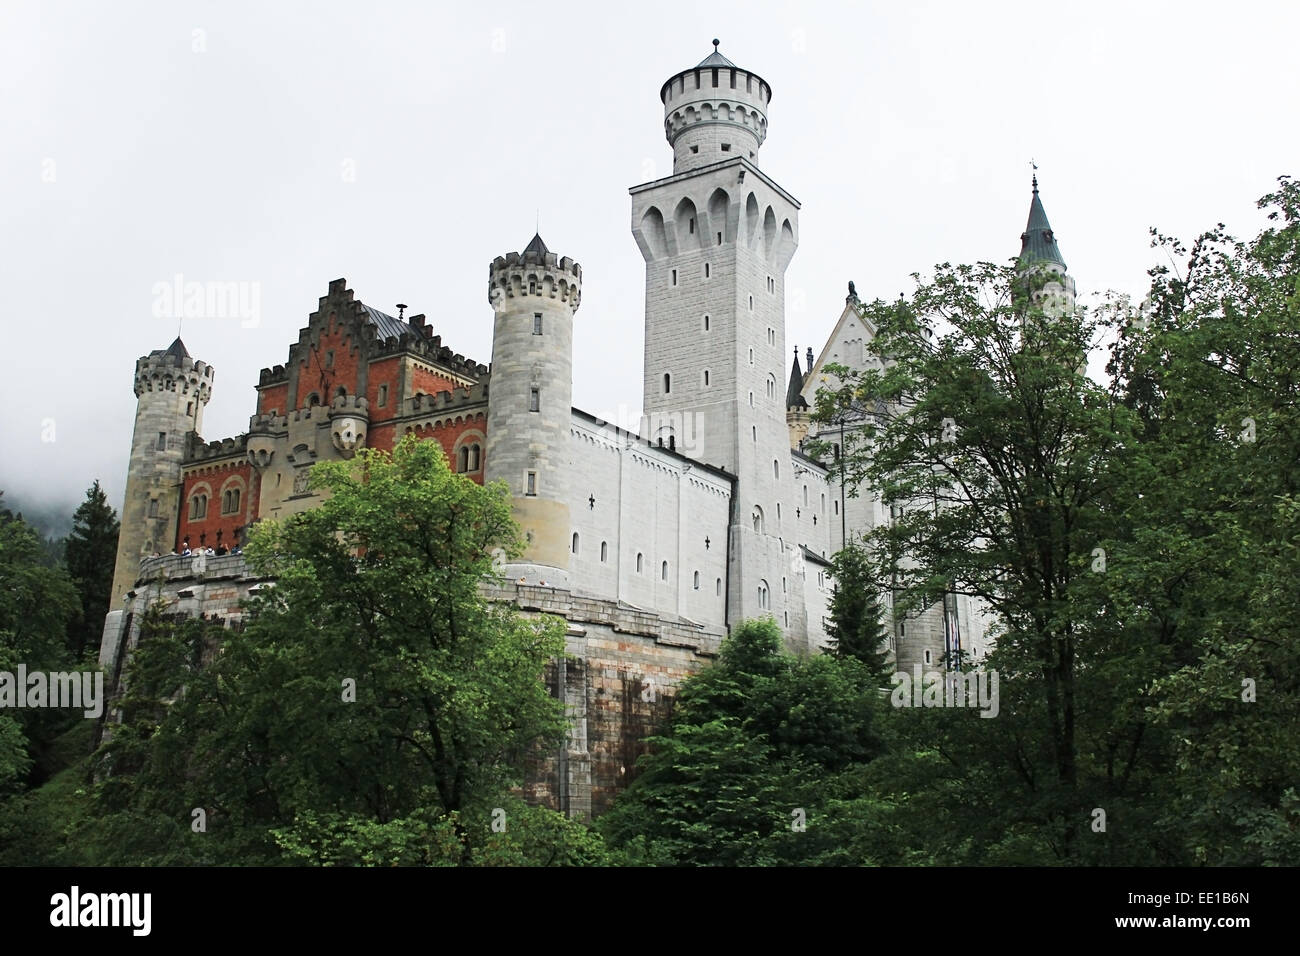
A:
445,401
197,451
713,112
431,349
541,274
161,372
349,421
277,375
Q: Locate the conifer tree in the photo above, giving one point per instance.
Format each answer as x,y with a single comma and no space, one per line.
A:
91,554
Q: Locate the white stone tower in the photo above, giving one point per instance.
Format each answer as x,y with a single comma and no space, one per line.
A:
534,295
172,389
717,236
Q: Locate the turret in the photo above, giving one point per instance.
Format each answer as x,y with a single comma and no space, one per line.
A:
1040,258
714,111
797,415
534,295
171,389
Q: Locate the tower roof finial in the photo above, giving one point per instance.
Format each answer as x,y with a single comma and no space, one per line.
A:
1035,165
1038,241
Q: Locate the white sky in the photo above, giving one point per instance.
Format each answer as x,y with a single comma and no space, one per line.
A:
905,130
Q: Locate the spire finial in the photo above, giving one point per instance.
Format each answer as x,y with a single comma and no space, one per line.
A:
1035,166
715,46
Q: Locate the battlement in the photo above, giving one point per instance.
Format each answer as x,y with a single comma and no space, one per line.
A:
279,375
541,274
431,349
197,451
422,404
268,424
160,372
353,405
714,112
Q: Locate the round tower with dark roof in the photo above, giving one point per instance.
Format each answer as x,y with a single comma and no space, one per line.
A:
534,295
171,389
713,112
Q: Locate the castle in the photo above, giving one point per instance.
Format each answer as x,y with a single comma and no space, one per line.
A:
651,541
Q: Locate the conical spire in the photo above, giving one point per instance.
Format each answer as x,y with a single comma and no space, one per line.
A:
793,394
715,58
176,351
536,246
1038,242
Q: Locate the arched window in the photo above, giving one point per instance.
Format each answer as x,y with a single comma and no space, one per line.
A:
604,551
575,542
717,587
663,571
475,451
668,383
763,601
697,580
230,501
776,469
638,562
198,507
462,459
771,387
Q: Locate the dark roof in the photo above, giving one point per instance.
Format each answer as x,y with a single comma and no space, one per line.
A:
536,246
175,351
386,325
715,59
814,557
1038,242
794,393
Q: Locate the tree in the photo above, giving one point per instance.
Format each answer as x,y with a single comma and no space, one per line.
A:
373,694
91,552
36,604
758,741
1002,462
856,629
1210,369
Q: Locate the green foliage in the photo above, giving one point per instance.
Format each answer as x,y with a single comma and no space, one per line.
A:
36,605
758,741
376,597
91,552
856,627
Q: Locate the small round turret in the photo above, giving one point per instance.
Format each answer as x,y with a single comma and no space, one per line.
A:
171,389
713,112
534,296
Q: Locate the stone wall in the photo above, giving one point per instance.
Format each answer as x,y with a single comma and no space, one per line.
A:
618,685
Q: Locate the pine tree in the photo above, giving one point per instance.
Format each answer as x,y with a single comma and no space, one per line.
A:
855,628
91,554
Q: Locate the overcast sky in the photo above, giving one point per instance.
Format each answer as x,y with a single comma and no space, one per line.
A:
402,146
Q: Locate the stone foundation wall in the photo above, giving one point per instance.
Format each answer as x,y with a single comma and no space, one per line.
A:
618,683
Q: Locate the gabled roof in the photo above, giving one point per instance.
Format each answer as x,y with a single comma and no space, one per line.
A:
850,314
794,393
1038,242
